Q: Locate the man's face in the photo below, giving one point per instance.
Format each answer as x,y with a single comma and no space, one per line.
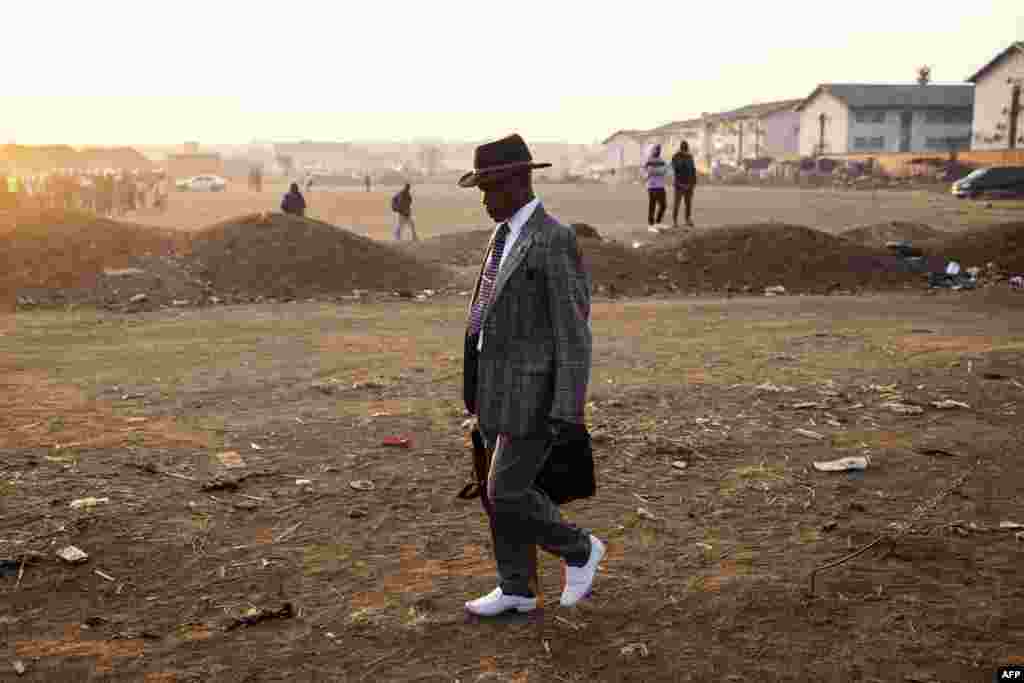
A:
502,197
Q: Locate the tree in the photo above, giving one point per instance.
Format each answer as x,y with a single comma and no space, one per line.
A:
924,75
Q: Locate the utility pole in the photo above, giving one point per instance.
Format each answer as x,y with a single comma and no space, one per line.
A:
821,133
1014,114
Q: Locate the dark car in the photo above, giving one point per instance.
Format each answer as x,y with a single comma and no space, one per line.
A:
996,181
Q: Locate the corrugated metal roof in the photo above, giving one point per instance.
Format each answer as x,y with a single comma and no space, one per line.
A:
1017,46
910,96
637,135
753,111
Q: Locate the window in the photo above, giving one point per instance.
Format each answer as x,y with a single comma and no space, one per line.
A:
869,116
869,143
948,142
948,116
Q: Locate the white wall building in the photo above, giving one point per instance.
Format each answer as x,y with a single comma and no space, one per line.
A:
998,102
625,149
859,118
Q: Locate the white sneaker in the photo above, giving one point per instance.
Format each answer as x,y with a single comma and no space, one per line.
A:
496,602
578,580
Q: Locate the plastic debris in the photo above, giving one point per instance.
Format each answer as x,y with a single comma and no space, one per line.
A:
303,482
680,464
809,434
362,485
72,554
87,503
635,648
398,441
853,463
1011,525
947,404
19,667
774,291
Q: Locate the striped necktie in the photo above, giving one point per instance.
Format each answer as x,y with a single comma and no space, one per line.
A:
490,275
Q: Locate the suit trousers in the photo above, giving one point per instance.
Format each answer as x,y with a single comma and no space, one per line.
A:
524,515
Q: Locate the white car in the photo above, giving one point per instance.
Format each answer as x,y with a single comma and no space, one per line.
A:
202,183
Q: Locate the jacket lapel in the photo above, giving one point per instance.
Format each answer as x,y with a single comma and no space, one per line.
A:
519,249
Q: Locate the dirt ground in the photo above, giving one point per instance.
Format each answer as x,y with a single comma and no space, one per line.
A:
618,211
234,538
228,439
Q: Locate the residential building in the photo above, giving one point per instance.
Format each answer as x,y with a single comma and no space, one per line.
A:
845,118
769,129
625,149
998,106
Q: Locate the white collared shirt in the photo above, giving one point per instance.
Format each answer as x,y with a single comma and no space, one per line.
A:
515,227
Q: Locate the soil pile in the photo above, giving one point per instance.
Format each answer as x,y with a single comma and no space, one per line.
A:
895,231
1000,244
739,259
282,256
55,250
749,258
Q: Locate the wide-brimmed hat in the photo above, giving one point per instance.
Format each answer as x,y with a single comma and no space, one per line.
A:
499,158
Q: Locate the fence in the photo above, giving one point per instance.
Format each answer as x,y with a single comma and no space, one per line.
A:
898,164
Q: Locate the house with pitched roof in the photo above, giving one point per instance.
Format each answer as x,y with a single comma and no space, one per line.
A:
625,149
857,118
998,105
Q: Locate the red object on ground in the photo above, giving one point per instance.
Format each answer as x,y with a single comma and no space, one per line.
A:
397,441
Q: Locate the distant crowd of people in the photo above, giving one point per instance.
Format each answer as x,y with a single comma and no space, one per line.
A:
107,193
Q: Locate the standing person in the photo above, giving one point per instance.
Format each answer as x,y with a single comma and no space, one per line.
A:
527,365
685,180
401,204
657,173
293,202
366,180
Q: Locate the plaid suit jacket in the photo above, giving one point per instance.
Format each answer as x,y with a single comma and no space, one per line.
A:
535,361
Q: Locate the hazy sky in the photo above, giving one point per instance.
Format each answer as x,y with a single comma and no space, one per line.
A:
225,71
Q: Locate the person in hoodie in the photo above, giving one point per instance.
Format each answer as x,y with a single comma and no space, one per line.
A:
657,172
293,202
685,173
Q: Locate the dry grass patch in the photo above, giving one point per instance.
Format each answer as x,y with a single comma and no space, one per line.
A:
36,411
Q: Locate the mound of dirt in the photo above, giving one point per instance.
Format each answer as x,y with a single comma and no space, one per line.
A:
1001,244
52,250
460,249
752,257
741,258
282,256
895,231
585,231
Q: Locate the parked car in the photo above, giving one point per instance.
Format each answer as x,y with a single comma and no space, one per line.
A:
996,181
202,183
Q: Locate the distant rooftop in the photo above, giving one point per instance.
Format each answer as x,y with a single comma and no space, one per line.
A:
898,95
1014,47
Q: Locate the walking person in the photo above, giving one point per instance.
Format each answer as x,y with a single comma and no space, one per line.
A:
684,182
657,172
527,366
293,202
401,204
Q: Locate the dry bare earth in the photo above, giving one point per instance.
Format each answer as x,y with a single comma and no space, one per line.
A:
618,211
141,407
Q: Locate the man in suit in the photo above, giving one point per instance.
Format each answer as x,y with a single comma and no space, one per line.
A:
528,348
